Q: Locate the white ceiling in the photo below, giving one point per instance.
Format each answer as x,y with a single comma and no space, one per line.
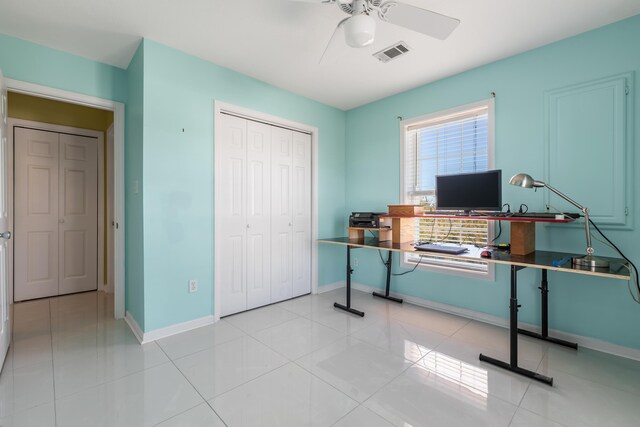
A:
280,41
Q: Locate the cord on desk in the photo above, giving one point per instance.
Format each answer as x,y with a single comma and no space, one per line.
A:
637,300
526,208
499,232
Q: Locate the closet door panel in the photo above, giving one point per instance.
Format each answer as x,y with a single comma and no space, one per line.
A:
231,211
281,214
258,214
78,214
36,214
301,203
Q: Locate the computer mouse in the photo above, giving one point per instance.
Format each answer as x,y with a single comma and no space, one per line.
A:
486,254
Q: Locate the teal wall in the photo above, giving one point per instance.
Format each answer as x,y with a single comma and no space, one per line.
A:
588,306
178,175
29,62
133,168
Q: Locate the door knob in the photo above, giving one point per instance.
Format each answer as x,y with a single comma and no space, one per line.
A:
5,235
248,226
61,221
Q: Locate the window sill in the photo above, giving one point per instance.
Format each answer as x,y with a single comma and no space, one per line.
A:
439,265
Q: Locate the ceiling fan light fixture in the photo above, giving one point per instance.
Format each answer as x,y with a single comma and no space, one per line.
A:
359,30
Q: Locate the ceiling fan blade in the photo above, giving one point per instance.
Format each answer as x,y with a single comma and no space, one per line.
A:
333,40
421,20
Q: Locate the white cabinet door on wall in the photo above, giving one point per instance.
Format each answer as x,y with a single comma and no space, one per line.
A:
263,214
56,213
231,213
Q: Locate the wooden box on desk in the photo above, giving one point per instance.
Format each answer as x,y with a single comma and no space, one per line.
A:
406,210
523,237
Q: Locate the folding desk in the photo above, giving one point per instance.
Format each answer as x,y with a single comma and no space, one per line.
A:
543,260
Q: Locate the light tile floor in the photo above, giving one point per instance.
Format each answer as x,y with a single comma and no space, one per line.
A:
298,363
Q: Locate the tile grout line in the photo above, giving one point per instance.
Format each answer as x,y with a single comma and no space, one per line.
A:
194,387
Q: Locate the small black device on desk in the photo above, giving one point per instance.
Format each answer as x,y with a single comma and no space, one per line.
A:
364,219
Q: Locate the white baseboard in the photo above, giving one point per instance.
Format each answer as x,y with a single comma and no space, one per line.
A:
135,328
156,334
331,286
582,341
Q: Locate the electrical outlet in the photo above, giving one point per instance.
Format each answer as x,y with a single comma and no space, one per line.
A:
356,262
193,285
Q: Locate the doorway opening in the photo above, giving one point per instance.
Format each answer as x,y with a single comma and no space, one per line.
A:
75,126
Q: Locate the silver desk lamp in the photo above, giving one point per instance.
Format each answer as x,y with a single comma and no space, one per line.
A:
526,181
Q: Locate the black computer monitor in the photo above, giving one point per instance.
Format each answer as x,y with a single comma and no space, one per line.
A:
470,191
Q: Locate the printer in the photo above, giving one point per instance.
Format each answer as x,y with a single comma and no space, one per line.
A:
364,219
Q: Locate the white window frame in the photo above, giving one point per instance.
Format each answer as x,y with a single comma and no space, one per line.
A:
442,265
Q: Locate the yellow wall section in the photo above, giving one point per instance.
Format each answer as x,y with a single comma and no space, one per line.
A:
44,110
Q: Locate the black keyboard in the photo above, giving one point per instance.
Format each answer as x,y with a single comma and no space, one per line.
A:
452,250
549,215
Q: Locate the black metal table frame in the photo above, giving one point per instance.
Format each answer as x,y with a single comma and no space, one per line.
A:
514,330
513,318
386,295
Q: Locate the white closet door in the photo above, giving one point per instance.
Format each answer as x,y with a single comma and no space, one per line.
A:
301,196
258,214
231,213
36,214
78,214
281,214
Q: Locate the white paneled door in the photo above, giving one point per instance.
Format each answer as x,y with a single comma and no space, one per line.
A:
281,215
55,214
301,213
263,213
5,235
230,211
78,214
258,214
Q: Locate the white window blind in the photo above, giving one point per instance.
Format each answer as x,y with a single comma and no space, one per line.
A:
443,144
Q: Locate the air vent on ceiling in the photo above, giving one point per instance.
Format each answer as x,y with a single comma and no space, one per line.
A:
391,52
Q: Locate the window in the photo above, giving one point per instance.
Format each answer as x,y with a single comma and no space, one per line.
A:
455,141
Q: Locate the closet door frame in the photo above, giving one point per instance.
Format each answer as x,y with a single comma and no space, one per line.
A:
11,123
223,107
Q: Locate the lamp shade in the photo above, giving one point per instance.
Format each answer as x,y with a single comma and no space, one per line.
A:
359,30
525,181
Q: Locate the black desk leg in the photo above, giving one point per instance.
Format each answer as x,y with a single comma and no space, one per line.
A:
513,337
386,293
348,306
544,335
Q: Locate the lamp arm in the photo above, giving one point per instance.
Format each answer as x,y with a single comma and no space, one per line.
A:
564,196
585,212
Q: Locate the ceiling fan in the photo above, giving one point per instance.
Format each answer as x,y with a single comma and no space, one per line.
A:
360,27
